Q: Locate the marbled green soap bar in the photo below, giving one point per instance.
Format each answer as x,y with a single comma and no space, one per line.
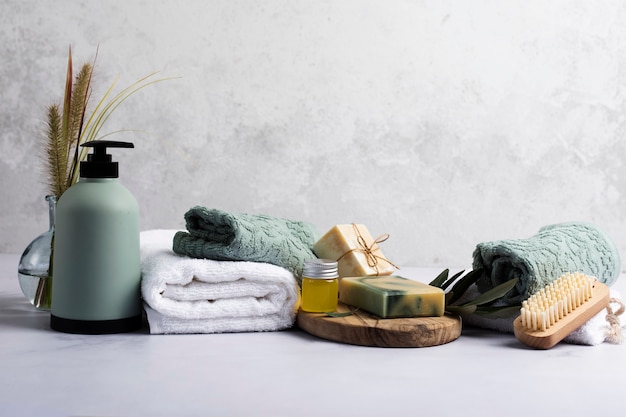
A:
392,296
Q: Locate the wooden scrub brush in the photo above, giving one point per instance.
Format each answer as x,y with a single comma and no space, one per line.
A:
552,313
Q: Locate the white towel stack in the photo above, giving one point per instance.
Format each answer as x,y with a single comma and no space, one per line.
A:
187,295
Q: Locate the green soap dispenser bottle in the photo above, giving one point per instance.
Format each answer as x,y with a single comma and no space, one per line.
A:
96,262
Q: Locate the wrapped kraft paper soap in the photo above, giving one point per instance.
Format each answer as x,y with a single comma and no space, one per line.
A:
356,252
392,296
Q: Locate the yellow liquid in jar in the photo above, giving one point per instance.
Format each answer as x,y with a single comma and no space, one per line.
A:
319,295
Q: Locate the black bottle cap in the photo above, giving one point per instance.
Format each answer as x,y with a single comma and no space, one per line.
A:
99,163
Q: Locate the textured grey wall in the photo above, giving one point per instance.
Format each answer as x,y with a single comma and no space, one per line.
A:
443,123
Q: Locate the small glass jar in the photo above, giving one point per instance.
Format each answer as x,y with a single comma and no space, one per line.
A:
320,286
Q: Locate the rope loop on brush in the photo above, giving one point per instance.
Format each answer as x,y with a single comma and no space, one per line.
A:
614,334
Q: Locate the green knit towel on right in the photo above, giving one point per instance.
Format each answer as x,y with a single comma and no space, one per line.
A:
224,236
555,250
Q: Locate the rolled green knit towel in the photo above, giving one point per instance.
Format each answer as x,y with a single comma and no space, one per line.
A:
223,236
540,259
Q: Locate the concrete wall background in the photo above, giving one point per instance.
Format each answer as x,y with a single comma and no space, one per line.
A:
442,123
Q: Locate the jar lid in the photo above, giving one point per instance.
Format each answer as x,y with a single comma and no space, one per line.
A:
320,268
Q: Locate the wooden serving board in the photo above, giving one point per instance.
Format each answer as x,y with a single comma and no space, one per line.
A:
364,329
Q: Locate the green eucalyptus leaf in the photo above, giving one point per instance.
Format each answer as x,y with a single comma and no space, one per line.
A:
494,293
463,285
452,279
461,310
441,278
497,312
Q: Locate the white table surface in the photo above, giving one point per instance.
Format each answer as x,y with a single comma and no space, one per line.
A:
291,373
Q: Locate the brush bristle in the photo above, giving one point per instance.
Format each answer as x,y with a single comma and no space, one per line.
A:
558,299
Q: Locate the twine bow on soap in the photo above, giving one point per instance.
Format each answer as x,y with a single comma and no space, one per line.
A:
368,251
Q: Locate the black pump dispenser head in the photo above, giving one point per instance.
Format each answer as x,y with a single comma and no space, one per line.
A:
99,163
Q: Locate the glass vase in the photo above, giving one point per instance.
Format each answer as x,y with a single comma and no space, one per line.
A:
35,268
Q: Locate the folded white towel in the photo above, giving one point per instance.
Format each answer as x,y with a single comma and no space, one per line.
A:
187,295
